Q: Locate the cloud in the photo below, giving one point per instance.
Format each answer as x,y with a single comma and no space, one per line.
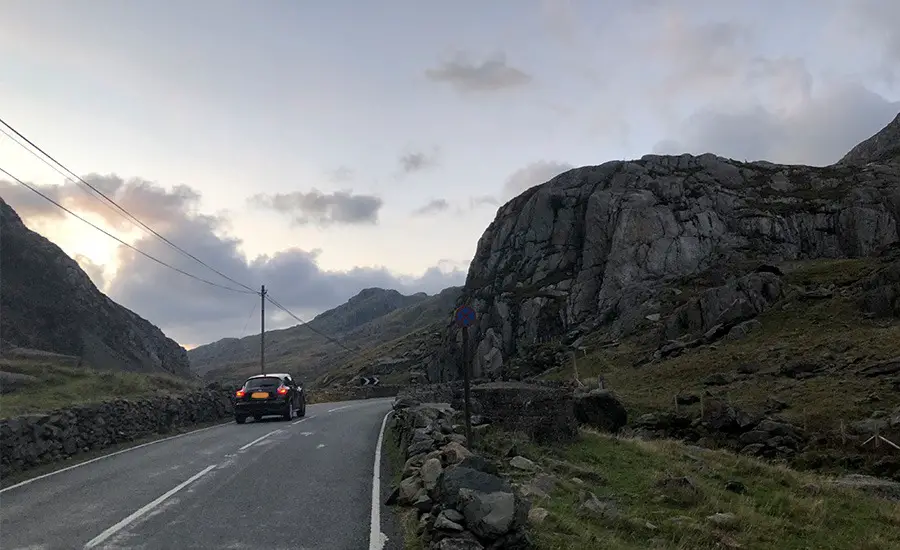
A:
144,199
417,161
323,209
531,175
341,174
475,202
432,207
193,312
490,75
818,131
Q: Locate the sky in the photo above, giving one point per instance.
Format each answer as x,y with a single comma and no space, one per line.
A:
320,148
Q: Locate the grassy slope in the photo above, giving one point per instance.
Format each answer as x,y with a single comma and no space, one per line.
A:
60,386
780,508
310,356
830,333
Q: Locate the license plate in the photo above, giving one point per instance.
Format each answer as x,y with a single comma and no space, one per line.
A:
259,395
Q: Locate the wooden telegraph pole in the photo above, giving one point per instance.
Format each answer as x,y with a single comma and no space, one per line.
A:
262,330
465,316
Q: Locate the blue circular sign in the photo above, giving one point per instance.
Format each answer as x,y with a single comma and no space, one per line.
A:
465,316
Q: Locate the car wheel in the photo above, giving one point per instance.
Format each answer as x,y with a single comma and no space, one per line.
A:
303,409
289,414
240,419
257,417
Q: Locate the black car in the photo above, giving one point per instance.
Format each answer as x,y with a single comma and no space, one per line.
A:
267,395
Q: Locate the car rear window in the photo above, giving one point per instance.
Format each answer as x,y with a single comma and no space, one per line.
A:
259,383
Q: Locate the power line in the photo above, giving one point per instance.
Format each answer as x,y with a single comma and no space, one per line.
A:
110,235
247,322
112,202
307,325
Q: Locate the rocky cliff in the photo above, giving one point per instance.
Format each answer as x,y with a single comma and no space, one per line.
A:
47,302
602,248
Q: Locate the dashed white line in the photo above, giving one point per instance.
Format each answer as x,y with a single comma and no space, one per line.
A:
339,408
320,445
146,508
302,420
377,538
258,439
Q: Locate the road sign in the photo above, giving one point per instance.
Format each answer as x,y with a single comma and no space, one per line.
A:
369,380
465,316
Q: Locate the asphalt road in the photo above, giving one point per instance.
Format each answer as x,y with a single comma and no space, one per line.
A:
304,484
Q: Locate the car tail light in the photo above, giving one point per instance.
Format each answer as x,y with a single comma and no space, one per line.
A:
240,393
282,390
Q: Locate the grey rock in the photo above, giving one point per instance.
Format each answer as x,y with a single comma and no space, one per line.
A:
443,522
595,247
455,543
488,515
536,516
430,472
600,409
522,463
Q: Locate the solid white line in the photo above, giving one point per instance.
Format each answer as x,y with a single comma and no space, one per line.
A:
377,538
86,462
143,510
339,408
258,439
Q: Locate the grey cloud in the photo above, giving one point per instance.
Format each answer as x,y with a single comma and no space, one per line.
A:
475,202
531,175
490,75
432,207
144,199
341,174
417,161
340,207
817,132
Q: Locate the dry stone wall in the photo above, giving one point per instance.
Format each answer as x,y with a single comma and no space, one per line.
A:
33,440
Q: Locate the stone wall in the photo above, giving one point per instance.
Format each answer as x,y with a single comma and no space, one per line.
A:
460,500
543,411
33,440
352,393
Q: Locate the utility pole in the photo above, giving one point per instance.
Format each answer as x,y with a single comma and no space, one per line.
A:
262,330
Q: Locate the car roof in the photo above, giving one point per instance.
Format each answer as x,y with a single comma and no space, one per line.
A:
269,375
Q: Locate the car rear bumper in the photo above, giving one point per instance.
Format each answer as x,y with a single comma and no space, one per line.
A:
251,408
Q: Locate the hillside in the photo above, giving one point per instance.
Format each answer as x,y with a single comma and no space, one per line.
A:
365,324
48,303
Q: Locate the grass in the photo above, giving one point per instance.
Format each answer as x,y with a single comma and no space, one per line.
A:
781,508
62,386
832,334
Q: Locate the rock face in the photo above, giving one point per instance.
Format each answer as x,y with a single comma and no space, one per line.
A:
597,247
49,303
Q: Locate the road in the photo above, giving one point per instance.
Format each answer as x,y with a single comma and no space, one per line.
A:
272,484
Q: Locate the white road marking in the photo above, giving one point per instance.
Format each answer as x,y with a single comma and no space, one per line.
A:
144,509
339,408
302,420
377,538
306,433
258,439
86,462
320,445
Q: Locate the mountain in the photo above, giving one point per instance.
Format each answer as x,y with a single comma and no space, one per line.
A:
48,303
883,147
369,320
666,248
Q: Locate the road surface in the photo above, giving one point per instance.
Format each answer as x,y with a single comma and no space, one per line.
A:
272,484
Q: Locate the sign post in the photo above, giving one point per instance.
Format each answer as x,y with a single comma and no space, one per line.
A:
465,316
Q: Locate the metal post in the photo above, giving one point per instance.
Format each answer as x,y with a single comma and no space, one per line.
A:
466,366
262,331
